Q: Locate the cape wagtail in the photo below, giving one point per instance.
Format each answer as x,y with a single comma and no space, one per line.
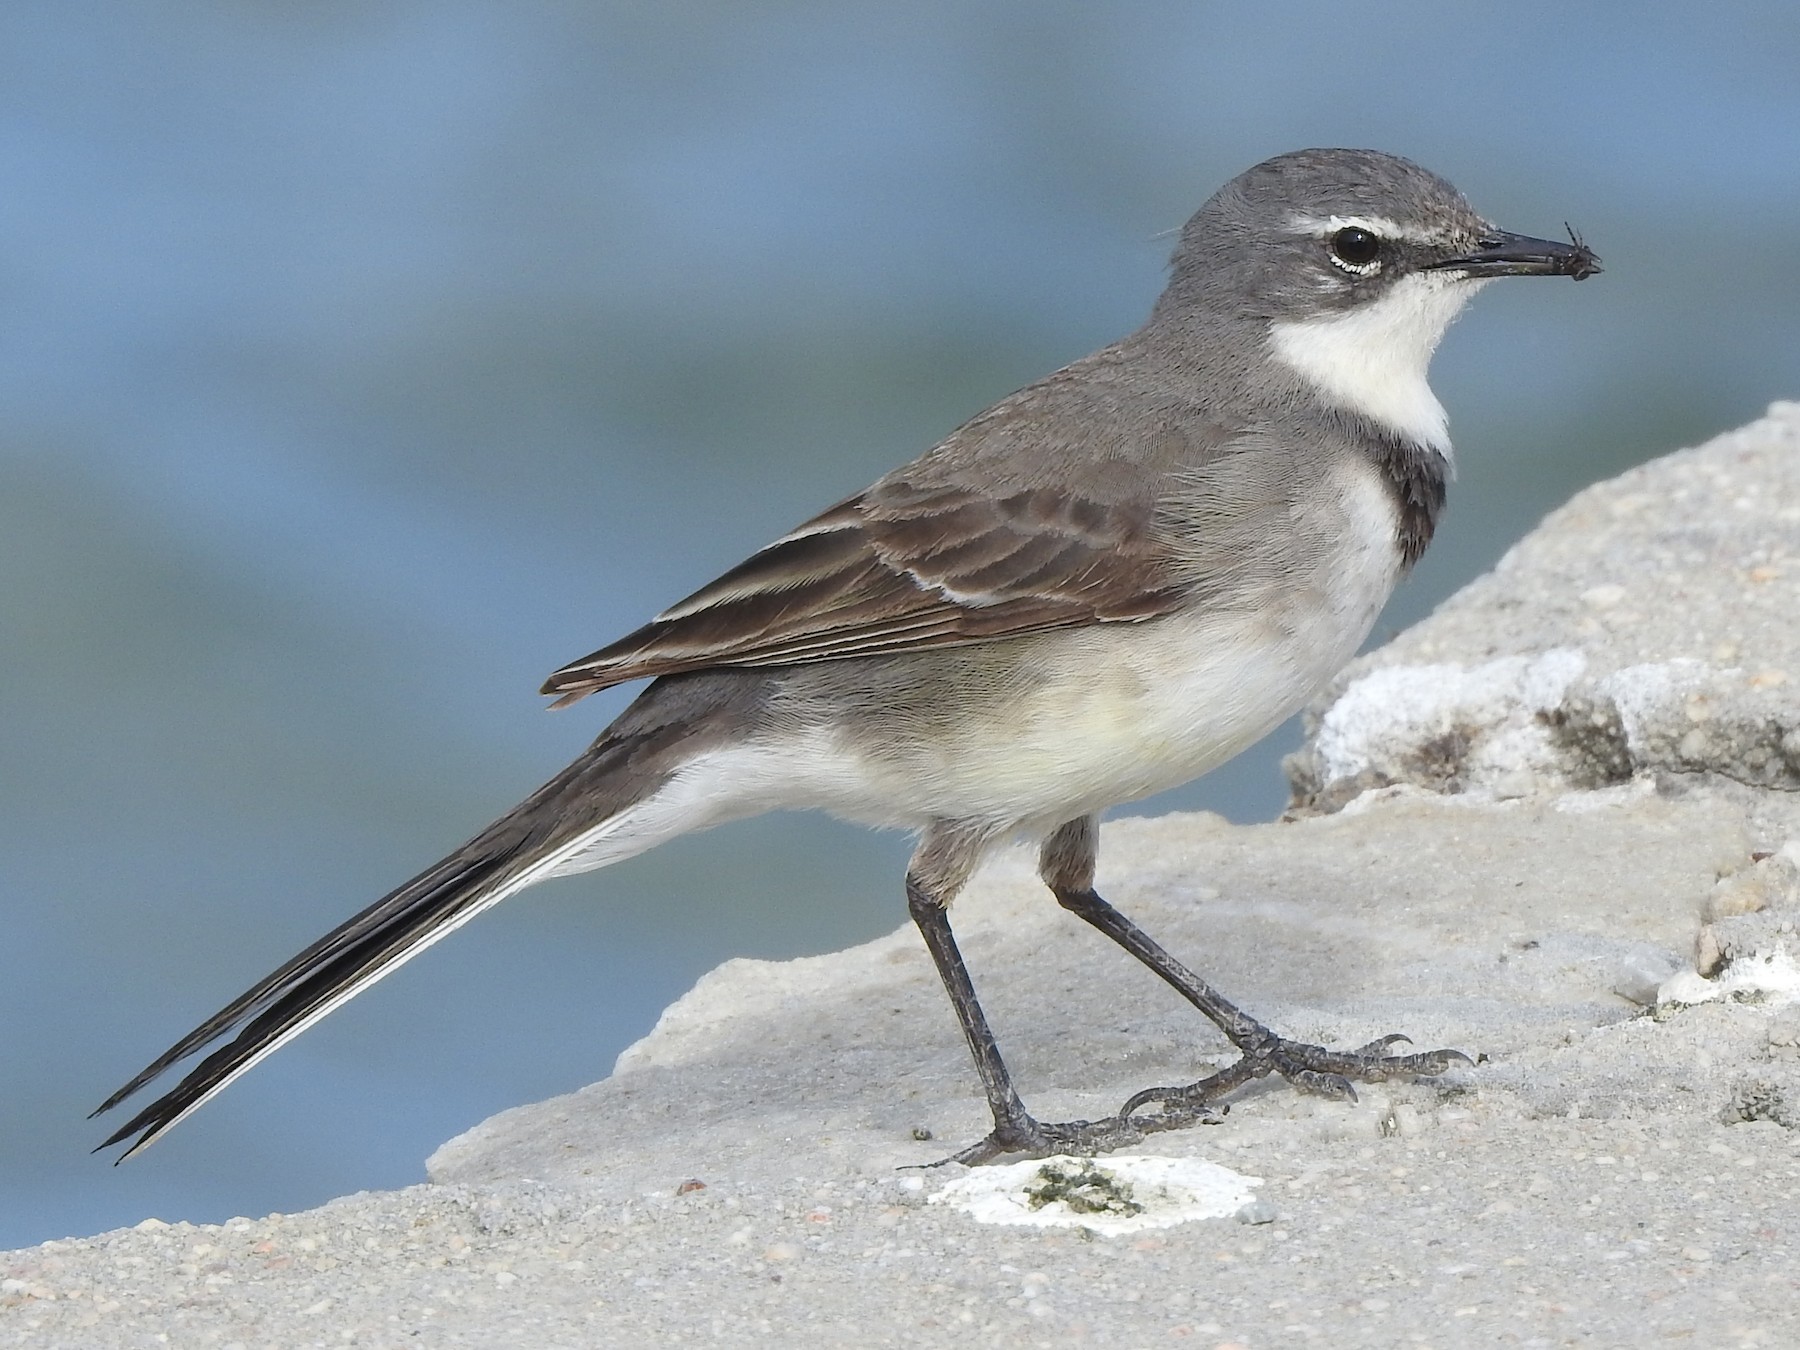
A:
1105,585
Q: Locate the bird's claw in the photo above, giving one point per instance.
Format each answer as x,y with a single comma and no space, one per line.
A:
1310,1068
1026,1137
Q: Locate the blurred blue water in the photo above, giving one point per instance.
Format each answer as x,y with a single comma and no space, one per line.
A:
363,363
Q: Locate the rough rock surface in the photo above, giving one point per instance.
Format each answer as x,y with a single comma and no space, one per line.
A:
1557,794
1648,626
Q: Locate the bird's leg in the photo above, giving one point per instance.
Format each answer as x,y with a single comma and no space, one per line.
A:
1067,867
942,863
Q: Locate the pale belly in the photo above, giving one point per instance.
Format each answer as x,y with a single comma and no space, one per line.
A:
1117,714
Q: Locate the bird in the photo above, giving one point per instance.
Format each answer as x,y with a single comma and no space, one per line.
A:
1105,585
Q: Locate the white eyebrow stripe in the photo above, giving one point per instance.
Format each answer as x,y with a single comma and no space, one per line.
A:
1383,226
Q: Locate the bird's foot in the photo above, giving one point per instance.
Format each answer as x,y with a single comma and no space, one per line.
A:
1311,1068
1025,1137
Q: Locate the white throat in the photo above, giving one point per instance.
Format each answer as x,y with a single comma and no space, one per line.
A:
1373,359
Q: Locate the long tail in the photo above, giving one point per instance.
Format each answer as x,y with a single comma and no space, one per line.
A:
587,816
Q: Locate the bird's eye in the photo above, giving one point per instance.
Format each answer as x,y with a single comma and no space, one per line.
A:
1356,250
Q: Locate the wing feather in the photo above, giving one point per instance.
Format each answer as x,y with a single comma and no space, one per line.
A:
953,549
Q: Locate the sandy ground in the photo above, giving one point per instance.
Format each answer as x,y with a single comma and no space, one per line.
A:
1531,858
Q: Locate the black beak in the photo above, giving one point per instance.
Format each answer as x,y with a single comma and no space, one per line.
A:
1519,255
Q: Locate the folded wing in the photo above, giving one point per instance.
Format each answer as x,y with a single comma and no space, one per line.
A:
909,565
